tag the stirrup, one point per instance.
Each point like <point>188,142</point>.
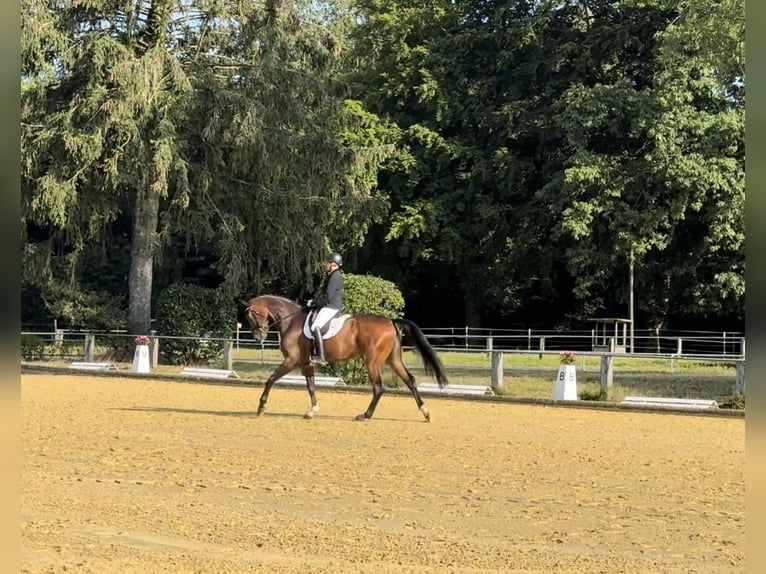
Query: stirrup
<point>318,360</point>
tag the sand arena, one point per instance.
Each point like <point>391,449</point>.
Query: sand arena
<point>131,475</point>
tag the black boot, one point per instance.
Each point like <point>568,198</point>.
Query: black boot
<point>318,358</point>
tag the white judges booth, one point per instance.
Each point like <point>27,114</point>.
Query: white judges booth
<point>608,328</point>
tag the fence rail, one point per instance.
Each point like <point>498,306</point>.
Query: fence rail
<point>118,346</point>
<point>686,343</point>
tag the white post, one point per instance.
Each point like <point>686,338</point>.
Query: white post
<point>566,384</point>
<point>227,355</point>
<point>631,288</point>
<point>90,347</point>
<point>739,386</point>
<point>497,370</point>
<point>154,351</point>
<point>607,374</point>
<point>141,363</point>
<point>607,369</point>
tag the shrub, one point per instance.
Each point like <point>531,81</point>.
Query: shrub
<point>593,392</point>
<point>195,312</point>
<point>735,401</point>
<point>32,347</point>
<point>366,294</point>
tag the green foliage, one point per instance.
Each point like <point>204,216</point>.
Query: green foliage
<point>369,294</point>
<point>526,151</point>
<point>83,309</point>
<point>193,311</point>
<point>591,392</point>
<point>735,401</point>
<point>546,148</point>
<point>219,124</point>
<point>32,347</point>
<point>366,294</point>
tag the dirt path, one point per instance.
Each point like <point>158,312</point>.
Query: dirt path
<point>137,476</point>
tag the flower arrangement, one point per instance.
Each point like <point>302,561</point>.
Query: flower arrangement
<point>567,357</point>
<point>142,340</point>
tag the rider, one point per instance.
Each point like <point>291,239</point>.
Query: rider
<point>328,303</point>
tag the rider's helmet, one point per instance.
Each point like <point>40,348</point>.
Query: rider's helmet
<point>334,258</point>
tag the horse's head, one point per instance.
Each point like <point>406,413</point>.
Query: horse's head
<point>257,316</point>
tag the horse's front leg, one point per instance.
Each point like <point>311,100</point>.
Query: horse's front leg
<point>286,366</point>
<point>308,372</point>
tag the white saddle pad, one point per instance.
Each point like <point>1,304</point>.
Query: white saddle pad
<point>336,324</point>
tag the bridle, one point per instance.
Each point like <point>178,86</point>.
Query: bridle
<point>264,329</point>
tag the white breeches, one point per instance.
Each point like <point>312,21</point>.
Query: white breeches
<point>323,317</point>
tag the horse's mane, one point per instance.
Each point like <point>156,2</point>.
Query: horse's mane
<point>278,298</point>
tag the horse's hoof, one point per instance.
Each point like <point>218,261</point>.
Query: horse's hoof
<point>427,416</point>
<point>362,417</point>
<point>309,415</point>
<point>259,413</point>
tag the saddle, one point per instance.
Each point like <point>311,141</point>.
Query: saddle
<point>331,328</point>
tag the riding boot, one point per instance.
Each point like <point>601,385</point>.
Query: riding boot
<point>318,358</point>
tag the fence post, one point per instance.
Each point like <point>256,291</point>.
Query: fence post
<point>90,347</point>
<point>497,370</point>
<point>489,345</point>
<point>679,352</point>
<point>607,369</point>
<point>154,351</point>
<point>607,374</point>
<point>529,339</point>
<point>542,347</point>
<point>739,385</point>
<point>227,355</point>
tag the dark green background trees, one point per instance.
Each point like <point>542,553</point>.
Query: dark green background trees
<point>500,162</point>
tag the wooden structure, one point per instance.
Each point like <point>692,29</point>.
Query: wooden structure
<point>608,328</point>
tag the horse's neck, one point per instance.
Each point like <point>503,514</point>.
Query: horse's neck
<point>284,313</point>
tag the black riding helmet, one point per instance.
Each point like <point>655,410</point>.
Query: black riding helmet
<point>334,258</point>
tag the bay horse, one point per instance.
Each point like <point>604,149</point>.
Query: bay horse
<point>373,338</point>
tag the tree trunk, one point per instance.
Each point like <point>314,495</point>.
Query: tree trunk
<point>145,220</point>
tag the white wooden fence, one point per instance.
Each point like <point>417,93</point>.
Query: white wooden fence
<point>86,351</point>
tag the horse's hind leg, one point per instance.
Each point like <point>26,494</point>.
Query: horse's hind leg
<point>404,374</point>
<point>373,369</point>
<point>377,391</point>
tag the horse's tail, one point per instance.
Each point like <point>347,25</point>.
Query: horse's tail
<point>431,361</point>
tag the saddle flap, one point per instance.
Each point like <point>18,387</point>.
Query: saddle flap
<point>330,329</point>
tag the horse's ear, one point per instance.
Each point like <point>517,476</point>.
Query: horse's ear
<point>244,304</point>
